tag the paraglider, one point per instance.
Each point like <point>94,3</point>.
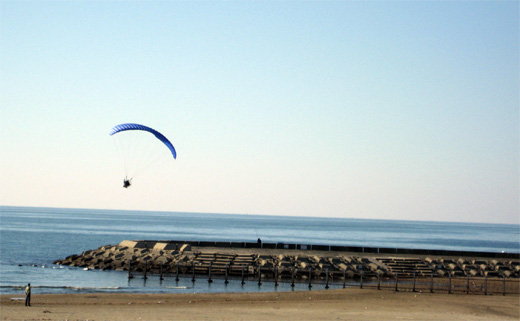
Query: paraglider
<point>138,154</point>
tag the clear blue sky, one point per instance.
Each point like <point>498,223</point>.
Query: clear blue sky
<point>393,110</point>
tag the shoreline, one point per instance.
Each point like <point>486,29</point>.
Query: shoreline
<point>344,304</point>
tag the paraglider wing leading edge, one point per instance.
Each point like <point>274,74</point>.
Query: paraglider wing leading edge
<point>159,136</point>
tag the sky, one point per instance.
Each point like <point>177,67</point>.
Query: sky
<point>376,110</point>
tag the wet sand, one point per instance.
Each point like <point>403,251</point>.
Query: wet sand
<point>343,304</point>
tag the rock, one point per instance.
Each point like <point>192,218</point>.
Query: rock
<point>185,247</point>
<point>108,261</point>
<point>132,244</point>
<point>372,267</point>
<point>165,246</point>
<point>346,259</point>
<point>163,260</point>
<point>314,259</point>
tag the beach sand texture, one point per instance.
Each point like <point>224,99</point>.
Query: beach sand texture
<point>343,304</point>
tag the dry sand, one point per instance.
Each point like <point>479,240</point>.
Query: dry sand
<point>343,304</point>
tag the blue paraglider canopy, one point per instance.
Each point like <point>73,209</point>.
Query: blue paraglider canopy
<point>131,126</point>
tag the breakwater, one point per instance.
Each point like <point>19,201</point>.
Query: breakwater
<point>353,249</point>
<point>280,261</point>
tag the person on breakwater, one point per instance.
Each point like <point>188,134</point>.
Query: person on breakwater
<point>28,295</point>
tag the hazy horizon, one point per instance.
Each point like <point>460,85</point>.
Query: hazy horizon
<point>246,214</point>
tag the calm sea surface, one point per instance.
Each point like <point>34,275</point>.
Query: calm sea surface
<point>31,238</point>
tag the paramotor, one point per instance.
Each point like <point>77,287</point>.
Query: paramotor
<point>137,154</point>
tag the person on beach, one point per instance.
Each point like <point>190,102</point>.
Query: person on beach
<point>28,295</point>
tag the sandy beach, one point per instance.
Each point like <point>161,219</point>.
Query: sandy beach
<point>343,304</point>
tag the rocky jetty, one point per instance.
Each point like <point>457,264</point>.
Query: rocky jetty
<point>136,254</point>
<point>170,257</point>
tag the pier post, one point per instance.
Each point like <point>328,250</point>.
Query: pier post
<point>396,281</point>
<point>449,281</point>
<point>361,280</point>
<point>259,275</point>
<point>413,289</point>
<point>193,272</point>
<point>431,284</point>
<point>504,293</point>
<point>130,276</point>
<point>276,276</point>
<point>161,272</point>
<point>378,280</point>
<point>177,272</point>
<point>327,279</point>
<point>344,278</point>
<point>145,269</point>
<point>227,268</point>
<point>209,272</point>
<point>467,285</point>
<point>485,284</point>
<point>292,276</point>
<point>243,282</point>
<point>310,277</point>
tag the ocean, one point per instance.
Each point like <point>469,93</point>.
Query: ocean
<point>31,238</point>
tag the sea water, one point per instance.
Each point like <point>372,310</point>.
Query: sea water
<point>31,238</point>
